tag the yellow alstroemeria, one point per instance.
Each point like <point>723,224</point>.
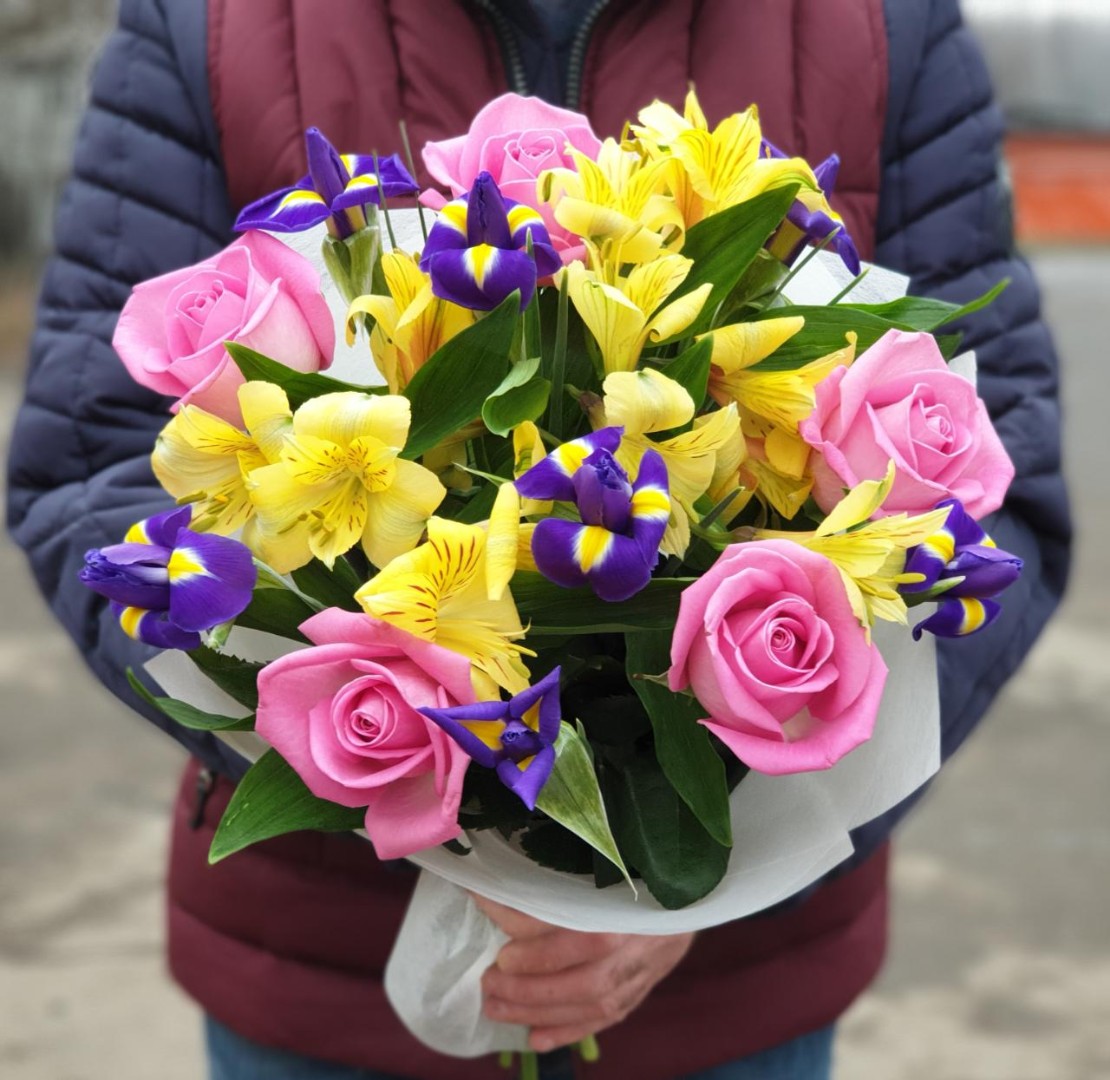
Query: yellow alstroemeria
<point>439,592</point>
<point>781,397</point>
<point>870,555</point>
<point>709,171</point>
<point>529,450</point>
<point>339,475</point>
<point>508,541</point>
<point>647,402</point>
<point>202,459</point>
<point>623,313</point>
<point>410,324</point>
<point>619,203</point>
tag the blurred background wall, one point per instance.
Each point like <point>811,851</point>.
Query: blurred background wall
<point>1000,961</point>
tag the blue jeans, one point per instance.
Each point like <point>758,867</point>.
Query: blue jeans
<point>231,1057</point>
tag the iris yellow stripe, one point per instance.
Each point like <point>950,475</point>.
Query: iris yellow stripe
<point>942,545</point>
<point>523,215</point>
<point>480,260</point>
<point>975,614</point>
<point>592,547</point>
<point>363,180</point>
<point>569,456</point>
<point>487,731</point>
<point>650,502</point>
<point>296,197</point>
<point>454,215</point>
<point>137,534</point>
<point>184,564</point>
<point>130,618</point>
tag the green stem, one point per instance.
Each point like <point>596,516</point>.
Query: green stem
<point>799,267</point>
<point>850,286</point>
<point>559,362</point>
<point>268,573</point>
<point>529,1066</point>
<point>589,1049</point>
<point>412,169</point>
<point>381,202</point>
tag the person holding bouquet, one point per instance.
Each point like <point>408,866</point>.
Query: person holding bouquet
<point>197,111</point>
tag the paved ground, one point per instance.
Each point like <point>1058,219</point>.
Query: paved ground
<point>1000,967</point>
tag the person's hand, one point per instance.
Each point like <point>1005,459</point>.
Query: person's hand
<point>566,985</point>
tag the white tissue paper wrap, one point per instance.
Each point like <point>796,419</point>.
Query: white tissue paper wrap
<point>787,830</point>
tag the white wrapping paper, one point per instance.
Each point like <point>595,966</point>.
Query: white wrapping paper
<point>787,832</point>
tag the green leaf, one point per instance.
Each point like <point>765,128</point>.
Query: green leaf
<point>923,313</point>
<point>691,370</point>
<point>550,845</point>
<point>299,386</point>
<point>187,715</point>
<point>678,860</point>
<point>521,396</point>
<point>825,331</point>
<point>723,247</point>
<point>450,389</point>
<point>477,507</point>
<point>682,745</point>
<point>236,677</point>
<point>333,588</point>
<point>271,800</point>
<point>572,797</point>
<point>276,611</point>
<point>548,608</point>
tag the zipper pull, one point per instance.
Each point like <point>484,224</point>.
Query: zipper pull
<point>206,781</point>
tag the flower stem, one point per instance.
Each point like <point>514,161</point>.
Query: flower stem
<point>559,362</point>
<point>407,146</point>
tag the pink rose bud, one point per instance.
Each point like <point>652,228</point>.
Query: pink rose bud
<point>257,292</point>
<point>514,139</point>
<point>899,401</point>
<point>768,643</point>
<point>344,714</point>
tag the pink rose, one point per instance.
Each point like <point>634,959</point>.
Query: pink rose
<point>514,139</point>
<point>257,291</point>
<point>899,401</point>
<point>769,645</point>
<point>343,714</point>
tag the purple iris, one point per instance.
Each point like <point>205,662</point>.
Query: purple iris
<point>516,737</point>
<point>167,583</point>
<point>336,190</point>
<point>960,551</point>
<point>615,545</point>
<point>477,251</point>
<point>816,225</point>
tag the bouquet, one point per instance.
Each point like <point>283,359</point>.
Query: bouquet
<point>588,587</point>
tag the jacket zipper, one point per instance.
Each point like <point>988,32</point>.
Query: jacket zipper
<point>514,63</point>
<point>577,60</point>
<point>206,781</point>
<point>510,47</point>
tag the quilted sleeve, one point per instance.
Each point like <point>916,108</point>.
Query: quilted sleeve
<point>945,219</point>
<point>146,195</point>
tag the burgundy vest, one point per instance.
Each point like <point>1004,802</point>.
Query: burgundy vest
<point>286,942</point>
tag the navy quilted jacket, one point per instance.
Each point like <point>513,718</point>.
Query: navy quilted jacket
<point>148,195</point>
